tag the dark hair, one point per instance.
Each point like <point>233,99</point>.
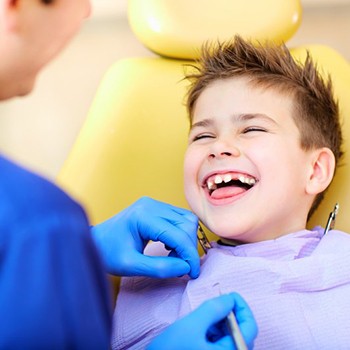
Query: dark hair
<point>272,66</point>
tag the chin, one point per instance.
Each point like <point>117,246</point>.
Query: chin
<point>223,230</point>
<point>25,88</point>
<point>15,94</point>
<point>24,93</point>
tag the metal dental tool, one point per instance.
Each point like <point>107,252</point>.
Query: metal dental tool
<point>331,219</point>
<point>231,321</point>
<point>203,240</point>
<point>232,326</point>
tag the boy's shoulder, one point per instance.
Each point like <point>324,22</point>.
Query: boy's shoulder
<point>335,241</point>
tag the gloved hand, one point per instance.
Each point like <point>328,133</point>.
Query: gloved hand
<point>121,240</point>
<point>197,330</point>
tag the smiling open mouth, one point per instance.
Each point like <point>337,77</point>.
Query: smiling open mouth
<point>229,184</point>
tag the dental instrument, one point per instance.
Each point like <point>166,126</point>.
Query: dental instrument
<point>232,326</point>
<point>231,321</point>
<point>331,219</point>
<point>203,240</point>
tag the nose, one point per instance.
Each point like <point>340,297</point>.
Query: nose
<point>221,149</point>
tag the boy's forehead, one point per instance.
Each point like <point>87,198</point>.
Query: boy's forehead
<point>242,86</point>
<point>241,100</point>
<point>250,83</point>
<point>235,119</point>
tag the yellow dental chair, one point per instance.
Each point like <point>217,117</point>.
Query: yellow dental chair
<point>135,135</point>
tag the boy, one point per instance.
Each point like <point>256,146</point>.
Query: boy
<point>264,142</point>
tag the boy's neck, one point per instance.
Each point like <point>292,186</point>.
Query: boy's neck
<point>230,242</point>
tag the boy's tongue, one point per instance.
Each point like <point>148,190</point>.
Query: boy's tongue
<point>226,192</point>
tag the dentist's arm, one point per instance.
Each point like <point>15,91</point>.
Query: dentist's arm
<point>122,239</point>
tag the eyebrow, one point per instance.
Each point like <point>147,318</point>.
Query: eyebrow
<point>250,116</point>
<point>236,118</point>
<point>203,123</point>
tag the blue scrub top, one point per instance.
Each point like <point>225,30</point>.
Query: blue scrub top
<point>54,293</point>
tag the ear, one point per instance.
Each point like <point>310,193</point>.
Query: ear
<point>321,170</point>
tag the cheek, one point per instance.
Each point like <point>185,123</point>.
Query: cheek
<point>280,169</point>
<point>269,158</point>
<point>191,168</point>
<point>188,171</point>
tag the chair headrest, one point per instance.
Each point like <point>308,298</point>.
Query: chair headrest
<point>178,28</point>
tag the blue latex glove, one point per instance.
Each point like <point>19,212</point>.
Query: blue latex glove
<point>122,239</point>
<point>197,330</point>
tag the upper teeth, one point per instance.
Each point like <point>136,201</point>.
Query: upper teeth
<point>227,178</point>
<point>247,180</point>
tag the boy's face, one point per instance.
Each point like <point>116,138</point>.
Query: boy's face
<point>245,172</point>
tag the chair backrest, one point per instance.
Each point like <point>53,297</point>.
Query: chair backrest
<point>134,138</point>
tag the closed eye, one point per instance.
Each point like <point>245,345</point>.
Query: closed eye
<point>254,129</point>
<point>201,137</point>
